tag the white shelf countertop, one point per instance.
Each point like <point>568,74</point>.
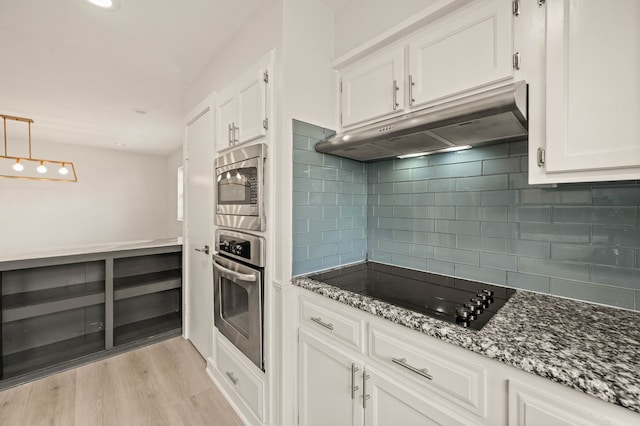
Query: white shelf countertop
<point>92,248</point>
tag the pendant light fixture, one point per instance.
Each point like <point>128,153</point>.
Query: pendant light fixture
<point>29,167</point>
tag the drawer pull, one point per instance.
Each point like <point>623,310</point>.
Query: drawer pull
<point>403,363</point>
<point>233,379</point>
<point>322,323</point>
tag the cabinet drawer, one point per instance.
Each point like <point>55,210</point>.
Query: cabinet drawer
<point>333,320</point>
<point>249,387</point>
<point>452,377</point>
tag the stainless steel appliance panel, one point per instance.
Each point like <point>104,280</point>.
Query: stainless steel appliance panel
<point>238,305</point>
<point>240,188</point>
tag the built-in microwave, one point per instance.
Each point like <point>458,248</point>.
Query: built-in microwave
<point>240,188</point>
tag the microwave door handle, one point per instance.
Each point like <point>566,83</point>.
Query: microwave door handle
<point>234,274</point>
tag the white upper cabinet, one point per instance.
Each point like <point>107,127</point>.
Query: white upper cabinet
<point>241,111</point>
<point>373,88</point>
<point>252,117</point>
<point>468,49</point>
<point>225,117</point>
<point>593,88</point>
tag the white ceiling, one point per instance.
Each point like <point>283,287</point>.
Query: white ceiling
<point>81,72</point>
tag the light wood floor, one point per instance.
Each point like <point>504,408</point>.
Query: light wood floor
<point>161,384</point>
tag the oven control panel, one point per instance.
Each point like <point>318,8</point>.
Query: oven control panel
<point>235,246</point>
<point>245,247</point>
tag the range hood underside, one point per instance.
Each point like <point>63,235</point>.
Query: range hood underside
<point>488,118</point>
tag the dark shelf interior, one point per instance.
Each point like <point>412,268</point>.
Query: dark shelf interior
<point>138,285</point>
<point>37,297</point>
<point>55,353</point>
<point>54,315</point>
<point>147,328</point>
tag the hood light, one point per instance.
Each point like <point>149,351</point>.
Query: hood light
<point>422,154</point>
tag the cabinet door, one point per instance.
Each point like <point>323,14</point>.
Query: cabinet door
<point>251,114</point>
<point>325,384</point>
<point>225,119</point>
<point>469,49</point>
<point>373,88</point>
<point>530,407</point>
<point>593,89</point>
<point>390,403</point>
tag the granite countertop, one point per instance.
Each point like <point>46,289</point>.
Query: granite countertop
<point>92,248</point>
<point>591,348</point>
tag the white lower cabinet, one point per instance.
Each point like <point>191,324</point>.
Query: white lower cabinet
<point>327,380</point>
<point>336,388</point>
<point>338,385</point>
<point>242,382</point>
<point>400,377</point>
<point>391,403</point>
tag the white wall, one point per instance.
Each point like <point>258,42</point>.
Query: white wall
<point>308,93</point>
<point>174,226</point>
<point>361,20</point>
<point>119,196</point>
<point>261,33</point>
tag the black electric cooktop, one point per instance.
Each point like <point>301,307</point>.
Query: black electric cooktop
<point>463,302</point>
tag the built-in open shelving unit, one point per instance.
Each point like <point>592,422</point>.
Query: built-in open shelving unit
<point>63,310</point>
<point>147,296</point>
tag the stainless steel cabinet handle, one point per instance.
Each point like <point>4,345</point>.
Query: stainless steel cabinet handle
<point>204,250</point>
<point>237,275</point>
<point>403,363</point>
<point>354,388</point>
<point>233,379</point>
<point>411,84</point>
<point>365,396</point>
<point>395,95</point>
<point>322,323</point>
<point>236,134</point>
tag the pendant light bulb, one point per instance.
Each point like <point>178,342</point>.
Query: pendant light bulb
<point>228,175</point>
<point>219,178</point>
<point>238,176</point>
<point>18,167</point>
<point>63,170</point>
<point>41,168</point>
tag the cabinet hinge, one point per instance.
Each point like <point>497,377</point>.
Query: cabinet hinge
<point>541,157</point>
<point>516,60</point>
<point>516,7</point>
<point>265,123</point>
<point>265,76</point>
<point>541,3</point>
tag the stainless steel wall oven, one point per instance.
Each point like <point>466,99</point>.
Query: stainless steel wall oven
<point>238,277</point>
<point>240,188</point>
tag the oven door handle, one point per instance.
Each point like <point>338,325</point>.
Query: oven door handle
<point>234,274</point>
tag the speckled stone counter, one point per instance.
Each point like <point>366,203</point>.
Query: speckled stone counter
<point>590,348</point>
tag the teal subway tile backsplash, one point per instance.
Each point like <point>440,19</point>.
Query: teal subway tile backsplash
<point>329,205</point>
<point>607,295</point>
<point>469,214</point>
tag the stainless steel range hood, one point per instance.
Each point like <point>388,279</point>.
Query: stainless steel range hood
<point>496,115</point>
